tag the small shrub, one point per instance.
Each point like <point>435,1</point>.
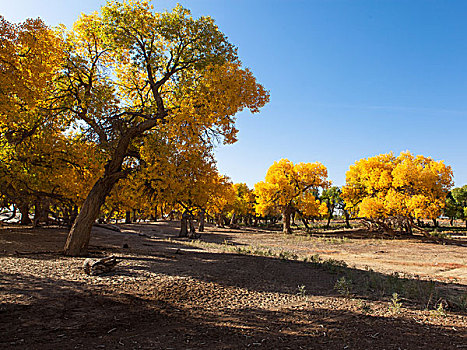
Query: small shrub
<point>286,255</point>
<point>301,290</point>
<point>343,286</point>
<point>396,304</point>
<point>334,266</point>
<point>440,310</point>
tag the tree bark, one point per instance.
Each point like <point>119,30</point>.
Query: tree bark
<point>183,226</point>
<point>305,223</point>
<point>220,221</point>
<point>286,221</point>
<point>233,220</point>
<point>329,220</point>
<point>202,214</point>
<point>192,227</point>
<point>347,219</point>
<point>24,210</point>
<point>40,212</point>
<point>80,233</point>
<point>127,217</point>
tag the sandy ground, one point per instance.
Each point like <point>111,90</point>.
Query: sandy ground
<point>171,293</point>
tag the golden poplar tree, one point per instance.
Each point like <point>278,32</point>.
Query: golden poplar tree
<point>392,191</point>
<point>290,188</point>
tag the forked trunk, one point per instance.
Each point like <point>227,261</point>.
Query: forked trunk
<point>80,233</point>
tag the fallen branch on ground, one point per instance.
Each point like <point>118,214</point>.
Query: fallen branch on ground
<point>97,267</point>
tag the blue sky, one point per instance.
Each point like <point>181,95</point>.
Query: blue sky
<point>348,78</point>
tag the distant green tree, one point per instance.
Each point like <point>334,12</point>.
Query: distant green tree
<point>459,201</point>
<point>452,209</point>
<point>332,198</point>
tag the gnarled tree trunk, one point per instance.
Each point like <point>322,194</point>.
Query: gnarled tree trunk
<point>80,233</point>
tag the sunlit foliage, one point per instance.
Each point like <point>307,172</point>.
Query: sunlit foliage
<point>290,188</point>
<point>393,191</point>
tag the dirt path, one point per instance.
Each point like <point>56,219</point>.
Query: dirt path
<point>168,293</point>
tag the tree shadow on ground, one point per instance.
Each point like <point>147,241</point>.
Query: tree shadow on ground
<point>60,314</point>
<point>283,275</point>
<point>178,257</point>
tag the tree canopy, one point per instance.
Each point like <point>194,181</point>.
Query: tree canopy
<point>392,191</point>
<point>117,77</point>
<point>290,188</point>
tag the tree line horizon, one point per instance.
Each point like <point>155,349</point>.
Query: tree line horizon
<point>121,113</point>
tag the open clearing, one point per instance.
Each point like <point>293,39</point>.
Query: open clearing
<point>232,289</point>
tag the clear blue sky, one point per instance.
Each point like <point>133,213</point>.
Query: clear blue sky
<point>348,78</point>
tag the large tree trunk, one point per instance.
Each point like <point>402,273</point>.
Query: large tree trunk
<point>192,227</point>
<point>233,220</point>
<point>286,221</point>
<point>202,215</point>
<point>305,222</point>
<point>220,221</point>
<point>24,210</point>
<point>183,225</point>
<point>329,220</point>
<point>80,233</point>
<point>128,217</point>
<point>40,212</point>
<point>347,219</point>
<point>155,213</point>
